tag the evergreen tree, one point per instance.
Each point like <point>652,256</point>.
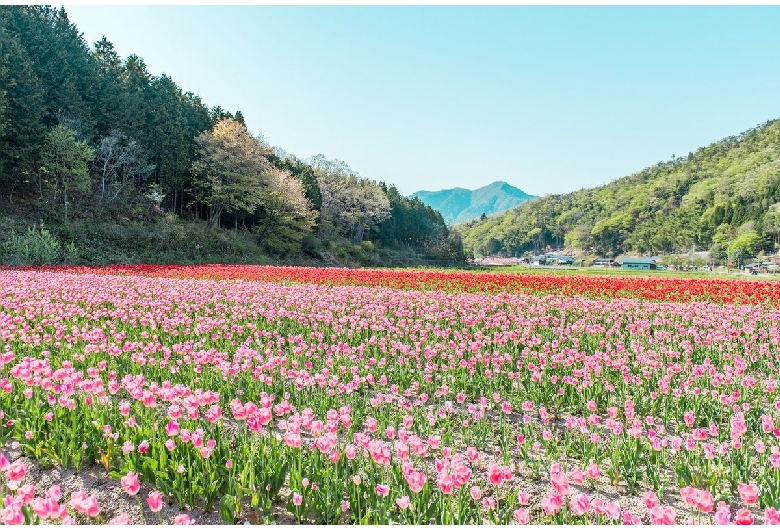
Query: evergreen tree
<point>65,164</point>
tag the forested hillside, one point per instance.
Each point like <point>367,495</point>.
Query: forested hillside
<point>722,198</point>
<point>100,161</point>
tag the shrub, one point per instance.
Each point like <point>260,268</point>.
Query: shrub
<point>37,246</point>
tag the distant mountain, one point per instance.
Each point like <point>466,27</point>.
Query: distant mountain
<point>459,205</point>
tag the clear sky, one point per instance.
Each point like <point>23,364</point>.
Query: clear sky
<point>549,98</point>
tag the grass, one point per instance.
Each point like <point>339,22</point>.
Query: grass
<point>598,271</point>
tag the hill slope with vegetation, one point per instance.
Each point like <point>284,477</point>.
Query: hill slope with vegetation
<point>102,162</point>
<point>723,198</point>
<point>459,205</point>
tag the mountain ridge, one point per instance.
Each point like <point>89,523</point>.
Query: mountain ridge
<point>458,205</point>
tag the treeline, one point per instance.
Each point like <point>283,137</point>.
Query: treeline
<point>723,198</point>
<point>86,135</point>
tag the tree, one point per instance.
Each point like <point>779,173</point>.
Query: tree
<point>136,88</point>
<point>745,245</point>
<point>286,215</point>
<point>721,240</point>
<point>772,223</point>
<point>108,114</point>
<point>120,162</point>
<point>22,128</point>
<point>350,205</point>
<point>230,173</point>
<point>302,171</point>
<point>65,163</point>
<point>578,236</point>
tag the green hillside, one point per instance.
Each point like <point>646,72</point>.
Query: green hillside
<point>722,198</point>
<point>458,205</point>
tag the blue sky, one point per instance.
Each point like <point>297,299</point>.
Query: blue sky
<point>548,98</point>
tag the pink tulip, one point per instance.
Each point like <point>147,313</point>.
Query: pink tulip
<point>661,515</point>
<point>16,471</point>
<point>631,519</point>
<point>475,493</point>
<point>579,504</point>
<point>650,498</point>
<point>130,483</point>
<point>577,476</point>
<point>155,501</point>
<point>495,474</point>
<point>523,497</point>
<point>743,517</point>
<point>748,493</point>
<point>560,483</point>
<point>183,519</point>
<point>12,515</point>
<point>522,515</point>
<point>593,471</point>
<point>120,520</point>
<point>722,516</point>
<point>26,492</point>
<point>704,501</point>
<point>771,516</point>
<point>54,492</point>
<point>552,503</point>
<point>42,507</point>
<point>403,502</point>
<point>612,509</point>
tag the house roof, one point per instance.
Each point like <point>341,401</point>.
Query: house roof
<point>639,261</point>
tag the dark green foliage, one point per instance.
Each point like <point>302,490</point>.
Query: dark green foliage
<point>411,224</point>
<point>137,133</point>
<point>705,200</point>
<point>64,165</point>
<point>35,246</point>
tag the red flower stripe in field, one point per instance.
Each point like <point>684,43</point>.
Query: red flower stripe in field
<point>666,289</point>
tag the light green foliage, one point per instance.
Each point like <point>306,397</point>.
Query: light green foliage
<point>351,205</point>
<point>670,207</point>
<point>285,215</point>
<point>231,170</point>
<point>746,244</point>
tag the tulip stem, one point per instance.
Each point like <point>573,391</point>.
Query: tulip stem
<point>141,508</point>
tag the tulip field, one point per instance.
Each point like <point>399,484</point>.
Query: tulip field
<point>268,394</point>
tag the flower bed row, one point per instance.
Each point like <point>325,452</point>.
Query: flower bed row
<point>721,291</point>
